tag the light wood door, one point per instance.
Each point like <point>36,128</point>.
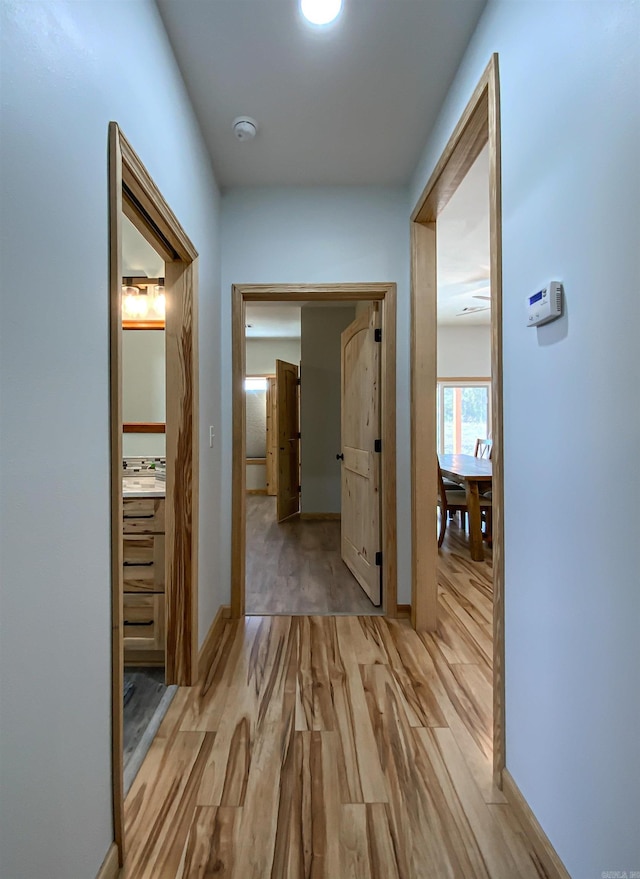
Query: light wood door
<point>361,539</point>
<point>287,418</point>
<point>272,438</point>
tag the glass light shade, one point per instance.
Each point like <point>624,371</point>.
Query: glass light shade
<point>134,303</point>
<point>158,301</point>
<point>320,11</point>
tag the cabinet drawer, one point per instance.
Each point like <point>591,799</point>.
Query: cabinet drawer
<point>143,559</point>
<point>143,515</point>
<point>143,625</point>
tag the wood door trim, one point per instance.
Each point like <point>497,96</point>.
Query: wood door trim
<point>133,192</point>
<point>479,125</point>
<point>380,292</point>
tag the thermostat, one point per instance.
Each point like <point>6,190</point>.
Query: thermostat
<point>545,305</point>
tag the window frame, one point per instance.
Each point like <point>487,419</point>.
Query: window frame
<point>460,382</point>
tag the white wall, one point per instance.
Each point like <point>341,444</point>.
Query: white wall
<point>261,354</point>
<point>143,390</point>
<point>569,75</point>
<point>320,392</point>
<point>464,351</point>
<point>322,235</point>
<point>67,69</point>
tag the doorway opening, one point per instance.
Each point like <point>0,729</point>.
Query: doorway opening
<point>312,409</point>
<point>478,130</point>
<point>154,526</point>
<point>300,481</point>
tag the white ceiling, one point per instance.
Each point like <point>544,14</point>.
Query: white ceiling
<point>349,104</point>
<point>463,250</point>
<point>273,321</point>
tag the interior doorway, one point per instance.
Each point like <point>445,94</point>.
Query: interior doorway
<point>314,536</point>
<point>154,534</point>
<point>477,129</point>
<point>303,516</point>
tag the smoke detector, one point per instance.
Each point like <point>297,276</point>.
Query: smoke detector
<point>245,128</point>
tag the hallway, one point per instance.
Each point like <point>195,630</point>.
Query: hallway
<point>296,567</point>
<point>334,747</point>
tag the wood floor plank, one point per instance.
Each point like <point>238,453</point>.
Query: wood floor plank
<point>477,829</point>
<point>332,747</point>
<point>154,798</point>
<point>212,844</point>
<point>383,857</point>
<point>209,697</point>
<point>354,849</point>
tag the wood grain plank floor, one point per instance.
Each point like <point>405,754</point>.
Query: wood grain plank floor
<point>334,747</point>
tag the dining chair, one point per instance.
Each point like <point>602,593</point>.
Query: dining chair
<point>484,448</point>
<point>455,501</point>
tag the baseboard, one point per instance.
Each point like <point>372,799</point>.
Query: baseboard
<point>404,611</point>
<point>210,643</point>
<point>320,517</point>
<point>110,868</point>
<point>256,491</point>
<point>554,867</point>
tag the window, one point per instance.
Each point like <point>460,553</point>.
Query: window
<point>464,414</point>
<point>256,415</point>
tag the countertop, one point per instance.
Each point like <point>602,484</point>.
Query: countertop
<point>143,486</point>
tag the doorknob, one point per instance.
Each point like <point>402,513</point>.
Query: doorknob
<point>339,457</point>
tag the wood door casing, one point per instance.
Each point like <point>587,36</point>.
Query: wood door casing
<point>288,449</point>
<point>360,406</point>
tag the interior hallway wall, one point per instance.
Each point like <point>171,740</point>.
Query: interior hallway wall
<point>569,75</point>
<point>320,398</point>
<point>322,235</point>
<point>68,68</point>
<point>261,354</point>
<point>464,352</point>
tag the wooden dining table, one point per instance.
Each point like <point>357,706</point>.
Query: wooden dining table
<point>474,474</point>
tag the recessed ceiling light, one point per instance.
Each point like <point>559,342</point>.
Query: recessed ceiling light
<point>320,11</point>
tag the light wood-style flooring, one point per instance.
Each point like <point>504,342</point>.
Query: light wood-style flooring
<point>295,567</point>
<point>341,747</point>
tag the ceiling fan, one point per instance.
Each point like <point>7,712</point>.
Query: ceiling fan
<point>474,309</point>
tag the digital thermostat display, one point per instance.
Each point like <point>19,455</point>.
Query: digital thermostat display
<point>545,305</point>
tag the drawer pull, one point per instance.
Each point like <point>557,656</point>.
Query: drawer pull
<point>139,516</point>
<point>127,623</point>
<point>137,564</point>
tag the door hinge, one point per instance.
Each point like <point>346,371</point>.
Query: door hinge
<point>377,336</point>
<point>298,381</point>
<point>299,435</point>
<point>379,559</point>
<point>377,446</point>
<point>299,489</point>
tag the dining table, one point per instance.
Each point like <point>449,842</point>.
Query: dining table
<point>475,475</point>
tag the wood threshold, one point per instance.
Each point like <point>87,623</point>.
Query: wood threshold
<point>479,125</point>
<point>379,292</point>
<point>321,517</point>
<point>554,867</point>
